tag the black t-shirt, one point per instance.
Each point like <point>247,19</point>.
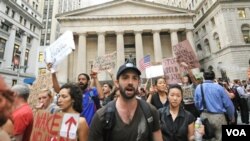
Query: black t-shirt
<point>137,130</point>
<point>157,102</point>
<point>175,130</point>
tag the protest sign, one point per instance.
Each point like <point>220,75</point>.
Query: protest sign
<point>184,53</point>
<point>59,49</point>
<point>154,71</point>
<point>171,70</point>
<point>47,127</point>
<point>42,82</point>
<point>106,62</point>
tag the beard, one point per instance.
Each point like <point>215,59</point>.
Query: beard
<point>123,92</point>
<point>3,119</point>
<point>83,86</point>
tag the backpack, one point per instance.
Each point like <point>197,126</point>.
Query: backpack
<point>109,118</point>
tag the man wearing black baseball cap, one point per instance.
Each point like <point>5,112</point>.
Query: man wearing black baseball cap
<point>129,121</point>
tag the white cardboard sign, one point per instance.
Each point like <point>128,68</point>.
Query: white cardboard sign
<point>154,71</point>
<point>69,126</point>
<point>60,49</point>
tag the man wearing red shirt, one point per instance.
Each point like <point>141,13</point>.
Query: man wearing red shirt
<point>22,115</point>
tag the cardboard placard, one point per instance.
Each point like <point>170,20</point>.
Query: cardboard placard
<point>42,82</point>
<point>47,127</point>
<point>171,70</point>
<point>106,62</point>
<point>59,49</point>
<point>154,71</point>
<point>185,53</point>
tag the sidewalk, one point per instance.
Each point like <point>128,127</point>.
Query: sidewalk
<point>239,119</point>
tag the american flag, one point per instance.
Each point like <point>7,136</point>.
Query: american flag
<point>144,63</point>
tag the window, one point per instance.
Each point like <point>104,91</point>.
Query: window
<point>242,12</point>
<point>199,47</point>
<point>34,28</point>
<point>213,22</point>
<point>217,40</point>
<point>30,25</point>
<point>16,56</point>
<point>7,10</point>
<point>5,27</point>
<point>207,46</point>
<point>204,29</point>
<point>24,22</point>
<point>21,19</point>
<point>197,34</point>
<point>26,58</point>
<point>18,34</point>
<point>13,14</point>
<point>40,57</point>
<point>2,47</point>
<point>28,39</point>
<point>245,29</point>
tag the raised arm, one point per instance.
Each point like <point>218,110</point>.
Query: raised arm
<point>56,85</point>
<point>190,73</point>
<point>95,82</point>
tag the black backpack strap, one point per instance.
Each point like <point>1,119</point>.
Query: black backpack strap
<point>109,120</point>
<point>147,113</point>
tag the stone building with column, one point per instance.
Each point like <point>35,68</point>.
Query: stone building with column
<point>136,28</point>
<point>222,36</point>
<point>20,27</point>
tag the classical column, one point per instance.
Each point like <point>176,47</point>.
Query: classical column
<point>33,55</point>
<point>138,46</point>
<point>9,48</point>
<point>120,48</point>
<point>157,45</point>
<point>190,38</point>
<point>23,50</point>
<point>81,54</point>
<point>174,39</point>
<point>101,44</point>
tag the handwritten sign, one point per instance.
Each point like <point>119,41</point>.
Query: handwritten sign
<point>60,49</point>
<point>46,126</point>
<point>171,70</point>
<point>188,95</point>
<point>69,126</point>
<point>154,71</point>
<point>185,53</point>
<point>106,62</point>
<point>42,82</point>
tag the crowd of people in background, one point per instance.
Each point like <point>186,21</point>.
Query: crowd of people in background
<point>124,109</point>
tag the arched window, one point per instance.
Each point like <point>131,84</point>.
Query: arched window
<point>207,46</point>
<point>199,47</point>
<point>217,40</point>
<point>245,28</point>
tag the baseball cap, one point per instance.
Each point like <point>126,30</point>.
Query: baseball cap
<point>127,66</point>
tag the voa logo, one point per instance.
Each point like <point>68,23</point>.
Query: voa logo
<point>236,132</point>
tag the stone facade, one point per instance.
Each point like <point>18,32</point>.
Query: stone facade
<point>129,27</point>
<point>219,37</point>
<point>20,24</point>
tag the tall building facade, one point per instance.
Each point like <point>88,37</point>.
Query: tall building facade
<point>20,22</point>
<point>222,36</point>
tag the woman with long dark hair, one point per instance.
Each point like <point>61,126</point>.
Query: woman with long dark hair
<point>70,101</point>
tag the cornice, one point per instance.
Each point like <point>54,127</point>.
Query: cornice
<point>124,17</point>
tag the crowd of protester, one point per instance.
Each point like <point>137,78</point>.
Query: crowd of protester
<point>124,109</point>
